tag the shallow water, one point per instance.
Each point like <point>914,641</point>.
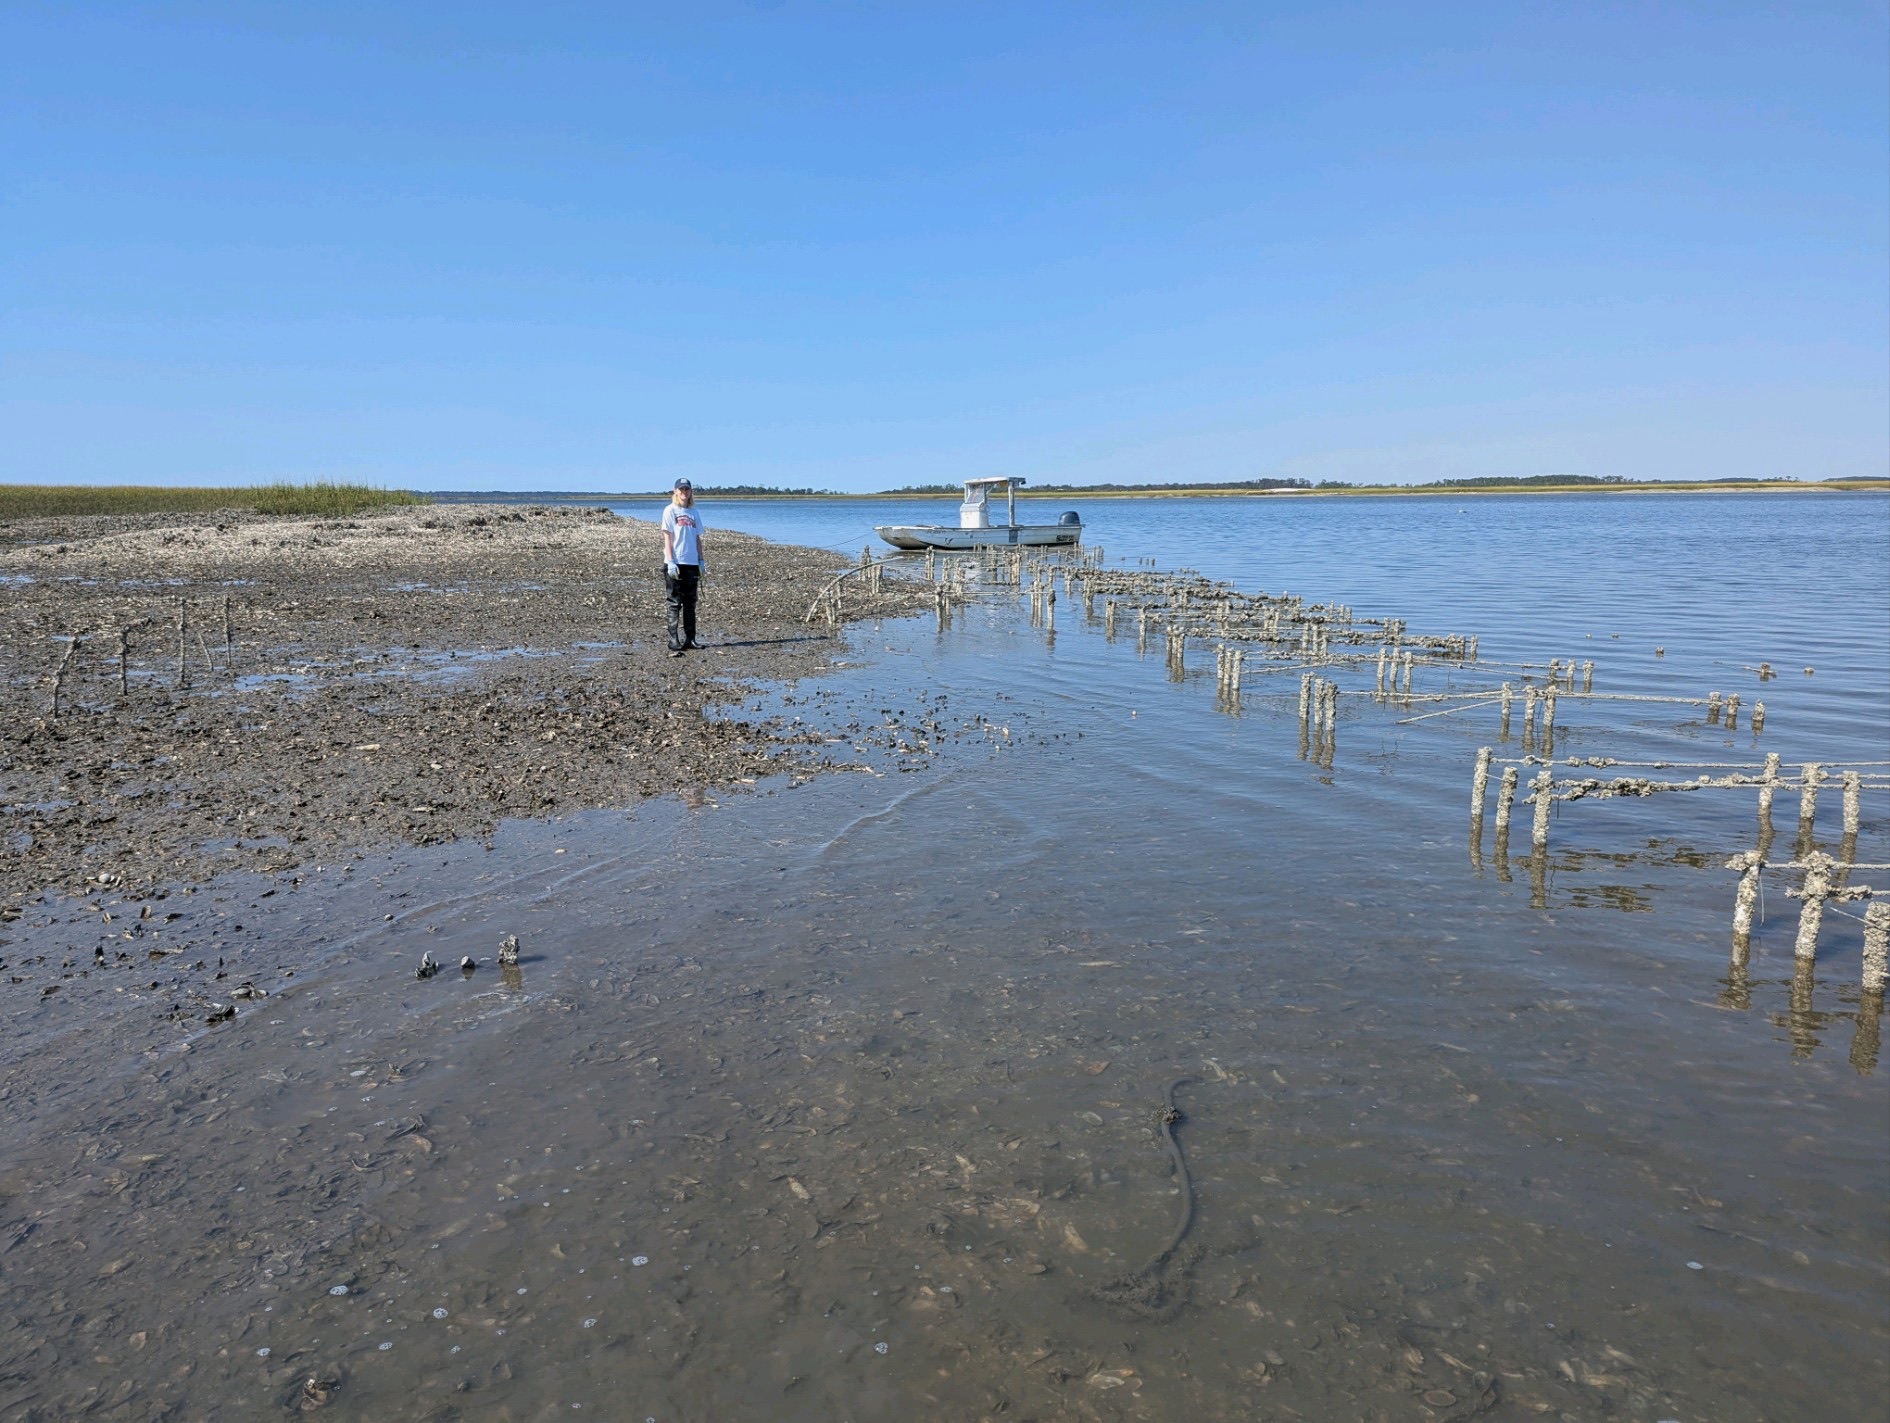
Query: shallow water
<point>877,1060</point>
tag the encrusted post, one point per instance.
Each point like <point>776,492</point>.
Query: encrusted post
<point>1767,786</point>
<point>1479,785</point>
<point>1758,717</point>
<point>1876,946</point>
<point>1732,712</point>
<point>1814,890</point>
<point>1539,832</point>
<point>1712,708</point>
<point>1750,865</point>
<point>1588,676</point>
<point>1808,796</point>
<point>1548,719</point>
<point>1853,802</point>
<point>1505,795</point>
<point>1509,696</point>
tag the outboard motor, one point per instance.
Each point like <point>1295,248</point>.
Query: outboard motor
<point>1072,517</point>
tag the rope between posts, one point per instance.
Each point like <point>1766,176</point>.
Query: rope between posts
<point>1830,908</point>
<point>1604,761</point>
<point>1801,865</point>
<point>1447,711</point>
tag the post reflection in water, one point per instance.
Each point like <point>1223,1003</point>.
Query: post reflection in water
<point>1864,1042</point>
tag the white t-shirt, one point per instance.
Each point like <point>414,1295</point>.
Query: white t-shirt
<point>684,527</point>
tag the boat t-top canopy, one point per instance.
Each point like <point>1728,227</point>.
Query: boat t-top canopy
<point>973,514</point>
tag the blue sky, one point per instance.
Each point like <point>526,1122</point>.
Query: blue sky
<point>857,247</point>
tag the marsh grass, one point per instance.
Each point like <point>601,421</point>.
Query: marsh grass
<point>29,501</point>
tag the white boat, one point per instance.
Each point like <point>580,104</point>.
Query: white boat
<point>975,529</point>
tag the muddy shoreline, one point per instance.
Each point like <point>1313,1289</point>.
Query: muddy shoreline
<point>345,685</point>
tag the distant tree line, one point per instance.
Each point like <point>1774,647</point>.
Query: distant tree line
<point>738,491</point>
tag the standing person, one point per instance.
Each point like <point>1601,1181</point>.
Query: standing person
<point>682,565</point>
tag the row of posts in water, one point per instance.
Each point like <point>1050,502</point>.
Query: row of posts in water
<point>1767,777</point>
<point>1823,876</point>
<point>1177,607</point>
<point>1291,634</point>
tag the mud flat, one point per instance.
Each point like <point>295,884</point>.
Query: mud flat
<point>412,676</point>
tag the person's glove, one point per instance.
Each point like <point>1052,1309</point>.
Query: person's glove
<point>670,569</point>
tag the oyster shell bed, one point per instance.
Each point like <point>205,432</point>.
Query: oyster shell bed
<point>409,676</point>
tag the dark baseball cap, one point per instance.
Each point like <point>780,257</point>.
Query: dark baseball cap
<point>682,484</point>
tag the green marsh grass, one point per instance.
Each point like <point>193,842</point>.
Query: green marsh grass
<point>31,501</point>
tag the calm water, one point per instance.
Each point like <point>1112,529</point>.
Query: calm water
<point>839,1100</point>
<point>1670,594</point>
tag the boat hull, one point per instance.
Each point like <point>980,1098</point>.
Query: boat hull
<point>943,536</point>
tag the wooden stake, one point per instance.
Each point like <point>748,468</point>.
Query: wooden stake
<point>1750,865</point>
<point>1876,946</point>
<point>1505,795</point>
<point>1479,787</point>
<point>1816,887</point>
<point>1539,832</point>
<point>1765,791</point>
<point>1853,802</point>
<point>59,676</point>
<point>1808,795</point>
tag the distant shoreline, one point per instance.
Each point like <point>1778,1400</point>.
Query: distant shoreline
<point>1198,492</point>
